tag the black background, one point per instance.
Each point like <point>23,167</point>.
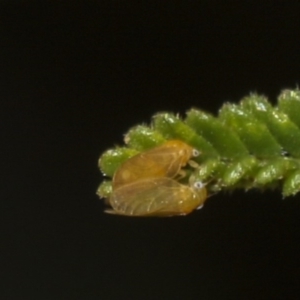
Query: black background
<point>74,77</point>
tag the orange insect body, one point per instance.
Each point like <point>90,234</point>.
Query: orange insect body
<point>162,161</point>
<point>157,197</point>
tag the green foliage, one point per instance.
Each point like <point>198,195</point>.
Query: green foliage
<point>248,145</point>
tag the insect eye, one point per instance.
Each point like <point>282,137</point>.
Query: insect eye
<point>198,185</point>
<point>196,152</point>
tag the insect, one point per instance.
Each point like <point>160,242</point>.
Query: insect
<point>157,197</point>
<point>165,160</point>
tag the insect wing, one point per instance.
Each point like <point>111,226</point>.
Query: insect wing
<point>162,161</point>
<point>172,156</point>
<point>160,196</point>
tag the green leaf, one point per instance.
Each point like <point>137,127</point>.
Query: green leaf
<point>252,144</point>
<point>223,139</point>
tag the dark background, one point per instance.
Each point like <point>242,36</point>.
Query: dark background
<point>74,77</point>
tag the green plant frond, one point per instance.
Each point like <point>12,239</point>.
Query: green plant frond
<point>254,134</point>
<point>222,138</point>
<point>142,138</point>
<point>252,144</point>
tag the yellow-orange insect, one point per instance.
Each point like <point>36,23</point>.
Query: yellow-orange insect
<point>157,197</point>
<point>165,160</point>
